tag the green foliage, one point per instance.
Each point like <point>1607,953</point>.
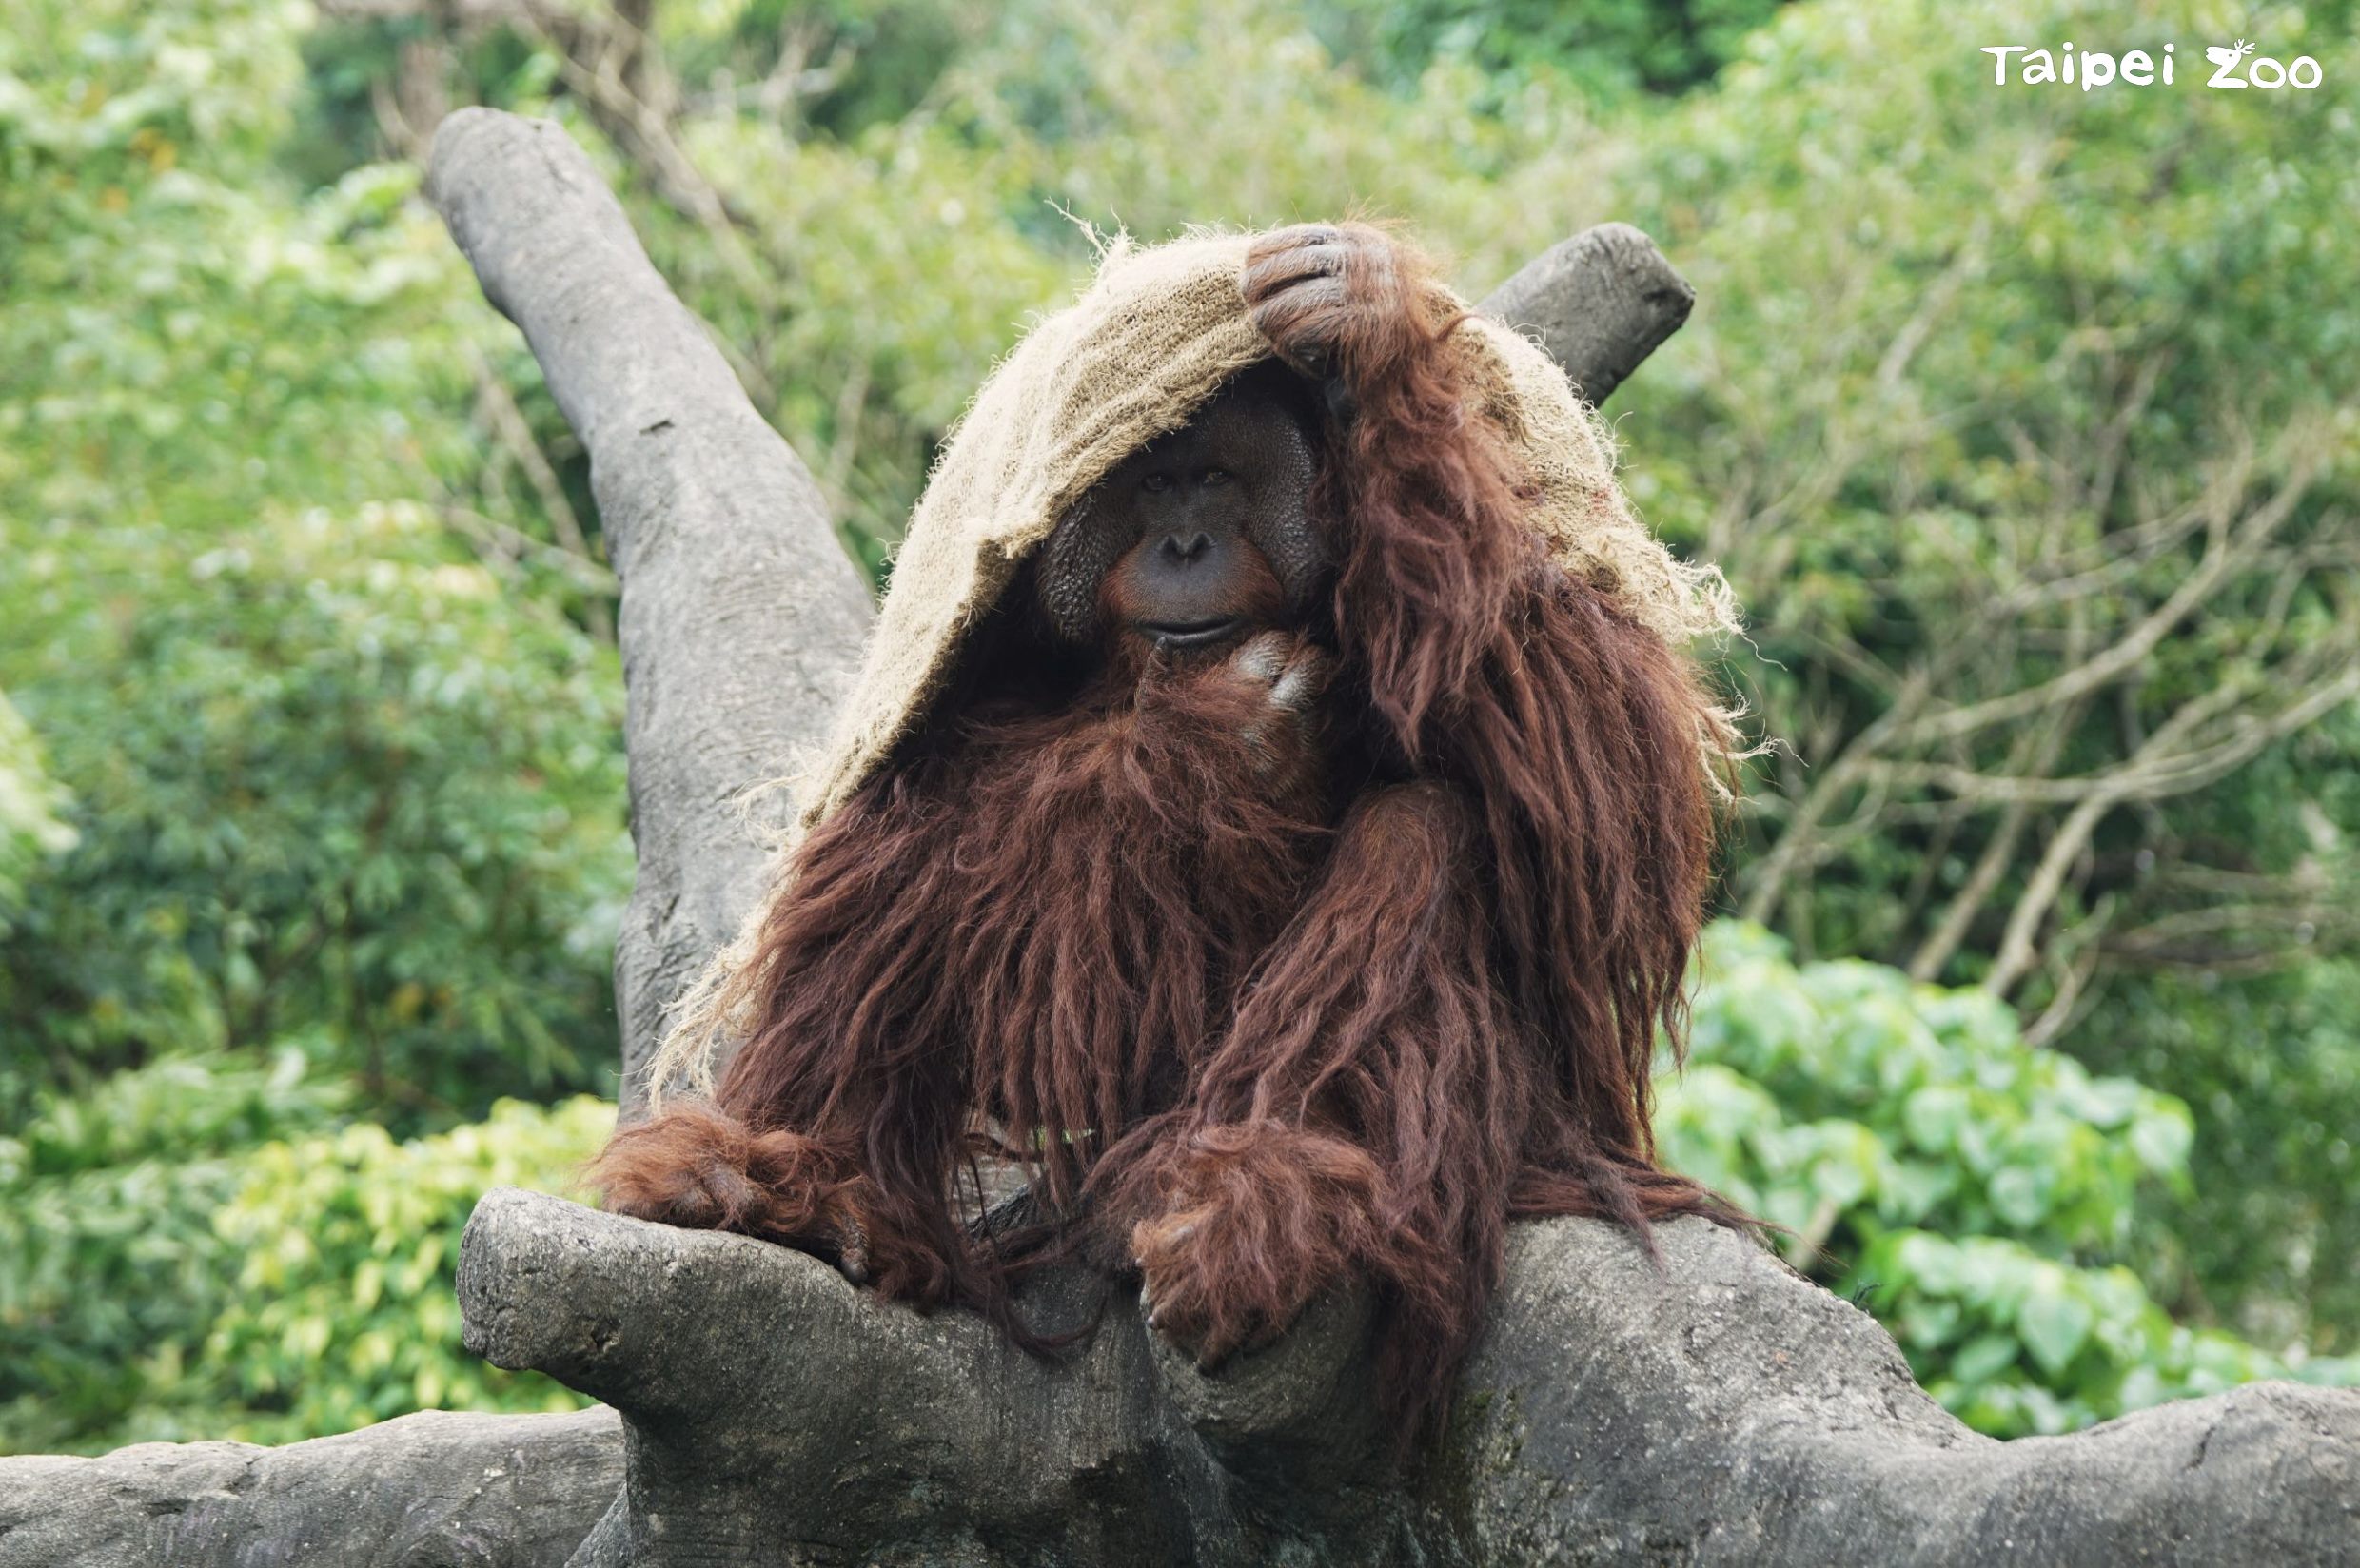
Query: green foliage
<point>1959,344</point>
<point>1978,1194</point>
<point>29,803</point>
<point>2270,1242</point>
<point>170,1110</point>
<point>110,1269</point>
<point>1607,47</point>
<point>350,1248</point>
<point>198,1250</point>
<point>1850,1091</point>
<point>332,735</point>
<point>337,775</point>
<point>2015,1343</point>
<point>332,786</point>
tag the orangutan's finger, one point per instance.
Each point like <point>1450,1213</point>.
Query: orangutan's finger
<point>1288,269</point>
<point>1303,679</point>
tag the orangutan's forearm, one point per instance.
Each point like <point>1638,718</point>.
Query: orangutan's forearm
<point>1359,1121</point>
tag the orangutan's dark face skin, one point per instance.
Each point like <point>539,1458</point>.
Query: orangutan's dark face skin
<point>1200,541</point>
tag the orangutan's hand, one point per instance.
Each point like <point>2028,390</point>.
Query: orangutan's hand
<point>1311,288</point>
<point>1193,1296</point>
<point>695,1166</point>
<point>1286,671</point>
<point>1261,1218</point>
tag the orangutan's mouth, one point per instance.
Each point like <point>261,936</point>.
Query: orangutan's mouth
<point>1190,633</point>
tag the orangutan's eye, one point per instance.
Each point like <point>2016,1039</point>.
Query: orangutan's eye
<point>1216,476</point>
<point>1156,482</point>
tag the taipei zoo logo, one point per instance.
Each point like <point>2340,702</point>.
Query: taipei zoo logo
<point>2234,66</point>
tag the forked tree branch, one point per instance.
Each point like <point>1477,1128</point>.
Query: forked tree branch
<point>742,616</point>
<point>1714,1407</point>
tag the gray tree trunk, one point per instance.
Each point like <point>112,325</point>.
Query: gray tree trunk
<point>1711,1407</point>
<point>742,618</point>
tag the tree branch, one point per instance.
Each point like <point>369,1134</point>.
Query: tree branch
<point>1712,1408</point>
<point>742,615</point>
<point>1600,303</point>
<point>485,1491</point>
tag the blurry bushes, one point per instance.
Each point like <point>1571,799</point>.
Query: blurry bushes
<point>2024,425</point>
<point>163,1277</point>
<point>1606,46</point>
<point>2015,1342</point>
<point>343,1310</point>
<point>110,1269</point>
<point>29,803</point>
<point>1841,1088</point>
<point>1980,1196</point>
<point>331,786</point>
<point>343,755</point>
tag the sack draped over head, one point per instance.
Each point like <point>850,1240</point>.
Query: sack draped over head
<point>1156,335</point>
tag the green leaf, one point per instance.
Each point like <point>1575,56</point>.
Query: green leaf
<point>1933,1116</point>
<point>2054,1326</point>
<point>1983,1358</point>
<point>2160,1137</point>
<point>2021,1195</point>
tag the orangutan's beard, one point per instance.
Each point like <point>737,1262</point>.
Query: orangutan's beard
<point>1114,872</point>
<point>1024,936</point>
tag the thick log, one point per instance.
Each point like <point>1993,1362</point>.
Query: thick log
<point>435,1488</point>
<point>1714,1408</point>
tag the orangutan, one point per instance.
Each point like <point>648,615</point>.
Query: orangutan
<point>1295,875</point>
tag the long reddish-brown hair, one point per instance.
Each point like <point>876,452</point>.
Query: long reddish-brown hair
<point>1579,738</point>
<point>1382,1007</point>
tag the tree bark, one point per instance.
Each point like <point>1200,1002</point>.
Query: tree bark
<point>1600,303</point>
<point>742,618</point>
<point>435,1488</point>
<point>1709,1408</point>
<point>1714,1408</point>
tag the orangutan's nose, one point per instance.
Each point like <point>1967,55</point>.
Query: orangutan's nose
<point>1185,547</point>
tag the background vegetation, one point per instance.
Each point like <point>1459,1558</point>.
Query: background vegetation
<point>2024,422</point>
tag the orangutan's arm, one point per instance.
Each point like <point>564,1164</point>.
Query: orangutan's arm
<point>694,1165</point>
<point>1363,1116</point>
<point>834,1126</point>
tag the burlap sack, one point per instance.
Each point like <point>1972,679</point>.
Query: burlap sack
<point>1153,336</point>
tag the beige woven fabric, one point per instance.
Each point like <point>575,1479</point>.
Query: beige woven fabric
<point>1147,344</point>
